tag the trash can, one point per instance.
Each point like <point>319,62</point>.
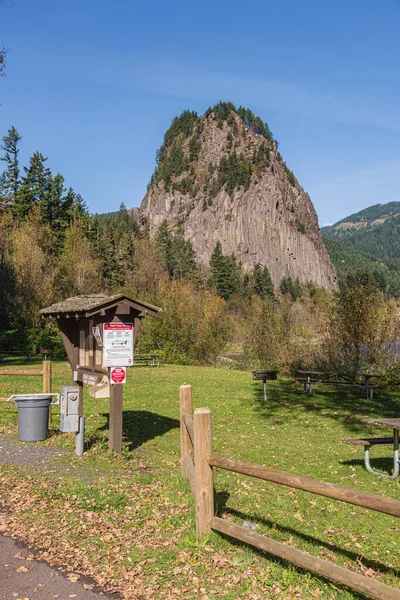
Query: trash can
<point>33,416</point>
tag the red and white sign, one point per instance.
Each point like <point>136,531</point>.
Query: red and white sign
<point>117,344</point>
<point>118,375</point>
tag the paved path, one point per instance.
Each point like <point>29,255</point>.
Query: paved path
<point>24,578</point>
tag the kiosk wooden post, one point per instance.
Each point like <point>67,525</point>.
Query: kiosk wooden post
<point>81,322</point>
<point>116,403</point>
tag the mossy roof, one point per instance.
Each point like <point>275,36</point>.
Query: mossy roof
<point>94,302</point>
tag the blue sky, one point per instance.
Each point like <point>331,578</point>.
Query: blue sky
<point>94,84</point>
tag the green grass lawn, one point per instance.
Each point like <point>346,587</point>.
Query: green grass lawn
<point>128,521</point>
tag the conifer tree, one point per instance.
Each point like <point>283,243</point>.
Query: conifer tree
<point>263,285</point>
<point>52,207</point>
<point>183,257</point>
<point>177,254</point>
<point>226,275</point>
<point>10,178</point>
<point>288,286</point>
<point>36,186</point>
<point>8,288</point>
<point>163,241</point>
<point>74,208</point>
<point>108,246</point>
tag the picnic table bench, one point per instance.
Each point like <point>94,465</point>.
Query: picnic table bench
<point>368,442</point>
<point>362,381</point>
<point>149,359</point>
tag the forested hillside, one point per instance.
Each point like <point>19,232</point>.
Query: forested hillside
<point>385,273</point>
<point>368,240</point>
<point>374,230</point>
<point>52,248</point>
<point>381,240</point>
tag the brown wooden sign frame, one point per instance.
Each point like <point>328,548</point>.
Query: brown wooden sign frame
<point>76,317</point>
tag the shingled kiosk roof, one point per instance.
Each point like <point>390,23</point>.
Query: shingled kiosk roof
<point>88,305</point>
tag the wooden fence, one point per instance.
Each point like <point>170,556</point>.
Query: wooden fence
<point>45,373</point>
<point>198,460</point>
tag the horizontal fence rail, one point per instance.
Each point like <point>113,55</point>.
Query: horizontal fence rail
<point>198,461</point>
<point>45,373</point>
<point>22,373</point>
<point>358,582</point>
<point>189,427</point>
<point>307,484</point>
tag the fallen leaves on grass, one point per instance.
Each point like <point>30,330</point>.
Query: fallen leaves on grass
<point>98,543</point>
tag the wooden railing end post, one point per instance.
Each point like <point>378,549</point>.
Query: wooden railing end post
<point>204,483</point>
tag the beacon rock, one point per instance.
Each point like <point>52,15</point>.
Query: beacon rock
<point>222,178</point>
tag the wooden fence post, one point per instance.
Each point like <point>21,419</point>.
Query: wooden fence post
<point>185,396</point>
<point>203,472</point>
<point>46,370</point>
<point>47,376</point>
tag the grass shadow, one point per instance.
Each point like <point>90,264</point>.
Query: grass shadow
<point>343,404</point>
<point>331,546</point>
<point>220,502</point>
<point>140,426</point>
<point>20,361</point>
<point>383,464</point>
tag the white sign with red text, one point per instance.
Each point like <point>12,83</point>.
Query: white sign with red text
<point>117,375</point>
<point>117,344</point>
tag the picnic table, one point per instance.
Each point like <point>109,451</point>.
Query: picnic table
<point>359,380</point>
<point>149,359</point>
<point>368,442</point>
<point>4,354</point>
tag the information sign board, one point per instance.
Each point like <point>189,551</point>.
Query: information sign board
<point>117,344</point>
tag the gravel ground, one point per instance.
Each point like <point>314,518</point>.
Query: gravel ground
<point>19,453</point>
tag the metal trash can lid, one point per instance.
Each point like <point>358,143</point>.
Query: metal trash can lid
<point>31,396</point>
<point>32,400</point>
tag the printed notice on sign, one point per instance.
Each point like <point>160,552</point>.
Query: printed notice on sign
<point>117,344</point>
<point>118,375</point>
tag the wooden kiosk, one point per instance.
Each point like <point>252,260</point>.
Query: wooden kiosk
<point>83,321</point>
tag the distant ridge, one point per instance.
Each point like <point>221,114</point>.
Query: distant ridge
<point>374,230</point>
<point>369,241</point>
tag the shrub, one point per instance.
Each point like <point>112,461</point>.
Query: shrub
<point>192,327</point>
<point>45,336</point>
<point>300,226</point>
<point>362,327</point>
<point>268,337</point>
